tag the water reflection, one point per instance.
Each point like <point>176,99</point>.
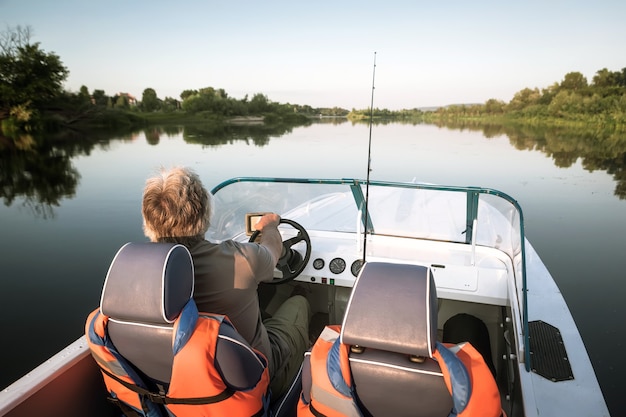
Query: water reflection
<point>40,175</point>
<point>598,150</point>
<point>38,171</point>
<point>214,134</point>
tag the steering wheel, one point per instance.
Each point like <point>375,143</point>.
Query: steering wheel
<point>291,264</point>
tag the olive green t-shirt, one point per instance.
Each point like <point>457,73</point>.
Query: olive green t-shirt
<point>227,275</point>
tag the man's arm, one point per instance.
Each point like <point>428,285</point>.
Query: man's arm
<point>270,236</point>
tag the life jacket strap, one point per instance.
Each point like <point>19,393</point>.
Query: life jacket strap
<point>158,398</point>
<point>315,412</point>
<point>127,410</point>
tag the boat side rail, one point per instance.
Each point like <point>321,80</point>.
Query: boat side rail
<point>69,384</point>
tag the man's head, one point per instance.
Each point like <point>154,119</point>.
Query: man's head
<point>175,204</point>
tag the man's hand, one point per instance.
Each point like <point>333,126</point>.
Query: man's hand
<point>270,236</point>
<point>268,221</point>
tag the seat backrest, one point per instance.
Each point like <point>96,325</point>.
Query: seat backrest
<point>390,325</point>
<point>146,288</point>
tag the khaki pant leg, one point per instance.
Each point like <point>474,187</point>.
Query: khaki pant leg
<point>288,331</point>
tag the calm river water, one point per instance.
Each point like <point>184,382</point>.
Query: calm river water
<point>66,212</point>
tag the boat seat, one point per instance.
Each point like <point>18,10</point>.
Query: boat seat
<point>146,288</point>
<point>390,329</point>
<point>390,325</point>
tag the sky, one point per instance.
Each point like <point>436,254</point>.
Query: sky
<point>427,53</point>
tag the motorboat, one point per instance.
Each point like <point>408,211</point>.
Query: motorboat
<point>470,239</point>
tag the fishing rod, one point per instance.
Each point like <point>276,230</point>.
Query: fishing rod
<point>369,163</point>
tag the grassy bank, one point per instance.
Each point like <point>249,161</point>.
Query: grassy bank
<point>601,122</point>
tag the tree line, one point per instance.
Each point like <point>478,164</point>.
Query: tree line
<point>573,100</point>
<point>32,96</point>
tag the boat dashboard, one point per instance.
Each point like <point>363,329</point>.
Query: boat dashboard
<point>460,272</point>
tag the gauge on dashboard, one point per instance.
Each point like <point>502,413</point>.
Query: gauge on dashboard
<point>337,266</point>
<point>318,263</point>
<point>356,267</point>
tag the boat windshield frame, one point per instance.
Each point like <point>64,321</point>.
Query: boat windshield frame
<point>474,216</point>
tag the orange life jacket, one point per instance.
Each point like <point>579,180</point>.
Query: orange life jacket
<point>462,367</point>
<point>196,387</point>
<point>331,388</point>
<point>483,397</point>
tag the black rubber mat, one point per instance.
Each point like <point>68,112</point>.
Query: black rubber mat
<point>548,356</point>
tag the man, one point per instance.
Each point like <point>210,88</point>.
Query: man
<point>177,208</point>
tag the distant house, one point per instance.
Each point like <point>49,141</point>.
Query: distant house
<point>130,99</point>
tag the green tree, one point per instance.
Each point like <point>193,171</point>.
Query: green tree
<point>548,93</point>
<point>524,98</point>
<point>84,95</point>
<point>594,104</point>
<point>566,103</point>
<point>170,104</point>
<point>28,74</point>
<point>188,93</point>
<point>195,103</point>
<point>259,104</point>
<point>221,93</point>
<point>574,81</point>
<point>100,98</point>
<point>149,100</point>
<point>209,91</point>
<point>605,78</point>
<point>621,78</point>
<point>493,106</point>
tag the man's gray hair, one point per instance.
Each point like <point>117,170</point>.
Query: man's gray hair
<point>175,204</point>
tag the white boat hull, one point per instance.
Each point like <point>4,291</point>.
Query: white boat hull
<point>471,241</point>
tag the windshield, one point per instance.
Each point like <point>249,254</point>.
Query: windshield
<point>422,211</point>
<point>464,215</point>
